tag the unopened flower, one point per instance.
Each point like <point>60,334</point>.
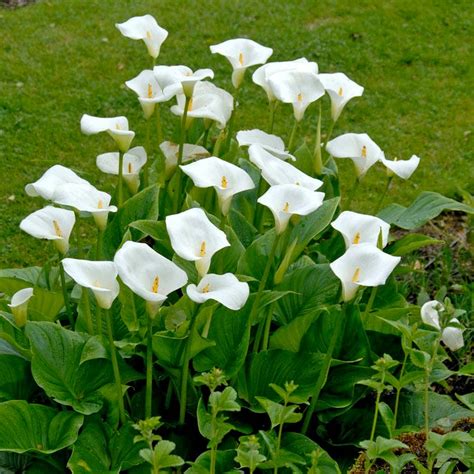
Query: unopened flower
<point>271,143</point>
<point>19,306</point>
<point>190,152</point>
<point>402,168</point>
<point>180,79</point>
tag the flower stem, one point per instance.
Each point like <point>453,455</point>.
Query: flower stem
<point>230,125</point>
<point>159,129</point>
<point>98,248</point>
<point>113,354</point>
<point>277,451</point>
<point>98,318</point>
<point>272,105</point>
<point>328,137</point>
<point>87,310</point>
<point>399,389</point>
<point>266,331</point>
<point>292,137</point>
<point>120,180</point>
<point>180,154</point>
<point>370,303</point>
<point>149,369</point>
<point>376,414</point>
<point>146,178</point>
<point>67,303</point>
<point>318,162</point>
<point>382,197</point>
<point>352,192</point>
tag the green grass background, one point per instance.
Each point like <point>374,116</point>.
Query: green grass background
<point>60,59</point>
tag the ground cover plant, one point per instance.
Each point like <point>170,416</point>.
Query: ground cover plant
<point>232,313</point>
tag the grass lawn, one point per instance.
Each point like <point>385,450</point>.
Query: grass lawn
<point>60,59</point>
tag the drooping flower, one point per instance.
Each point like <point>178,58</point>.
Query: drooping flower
<point>226,289</point>
<point>147,29</point>
<point>148,274</point>
<point>51,179</point>
<point>242,53</point>
<point>285,200</point>
<point>133,161</point>
<point>298,88</point>
<point>50,223</point>
<point>19,306</point>
<point>361,228</point>
<point>271,143</point>
<point>116,127</point>
<point>180,79</point>
<point>341,90</point>
<point>358,147</point>
<point>402,168</point>
<point>86,199</point>
<point>190,152</point>
<point>276,171</point>
<point>194,237</point>
<point>99,276</point>
<point>227,179</point>
<point>362,265</point>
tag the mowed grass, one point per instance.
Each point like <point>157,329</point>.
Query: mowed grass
<point>60,59</point>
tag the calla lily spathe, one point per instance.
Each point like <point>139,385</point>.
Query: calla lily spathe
<point>285,200</point>
<point>361,228</point>
<point>402,168</point>
<point>450,335</point>
<point>51,179</point>
<point>99,276</point>
<point>262,75</point>
<point>147,29</point>
<point>358,147</point>
<point>269,142</point>
<point>341,90</point>
<point>133,161</point>
<point>180,79</point>
<point>50,223</point>
<point>86,199</point>
<point>242,53</point>
<point>362,265</point>
<point>148,274</point>
<point>19,305</point>
<point>227,179</point>
<point>195,238</point>
<point>298,88</point>
<point>226,289</point>
<point>276,171</point>
<point>116,127</point>
<point>190,152</point>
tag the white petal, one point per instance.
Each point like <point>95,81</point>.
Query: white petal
<point>133,162</point>
<point>21,297</point>
<point>84,198</point>
<point>430,313</point>
<point>271,143</point>
<point>190,152</point>
<point>402,168</point>
<point>91,125</point>
<point>453,338</point>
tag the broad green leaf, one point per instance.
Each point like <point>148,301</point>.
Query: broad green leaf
<point>289,337</point>
<point>16,382</point>
<point>224,401</point>
<point>411,242</point>
<point>213,431</point>
<point>387,416</point>
<point>36,428</point>
<point>161,457</point>
<point>224,463</point>
<point>14,279</point>
<point>467,399</point>
<point>304,159</point>
<point>278,413</point>
<point>12,339</point>
<point>244,229</point>
<point>45,305</point>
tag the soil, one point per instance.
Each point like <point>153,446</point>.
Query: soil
<point>15,3</point>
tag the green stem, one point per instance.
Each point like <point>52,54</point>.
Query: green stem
<point>113,354</point>
<point>266,332</point>
<point>318,162</point>
<point>352,192</point>
<point>159,129</point>
<point>205,136</point>
<point>98,247</point>
<point>146,178</point>
<point>98,318</point>
<point>182,139</point>
<point>331,128</point>
<point>427,401</point>
<point>272,106</point>
<point>169,394</point>
<point>213,460</point>
<point>230,125</point>
<point>376,414</point>
<point>292,137</point>
<point>399,389</point>
<point>87,310</point>
<point>370,303</point>
<point>149,369</point>
<point>67,303</point>
<point>120,181</point>
<point>382,197</point>
<point>257,221</point>
<point>277,451</point>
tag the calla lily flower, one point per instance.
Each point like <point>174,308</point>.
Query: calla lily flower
<point>180,79</point>
<point>285,200</point>
<point>341,90</point>
<point>262,75</point>
<point>51,179</point>
<point>298,88</point>
<point>194,237</point>
<point>271,143</point>
<point>50,223</point>
<point>242,53</point>
<point>190,152</point>
<point>362,265</point>
<point>133,161</point>
<point>86,199</point>
<point>116,127</point>
<point>148,274</point>
<point>226,178</point>
<point>402,168</point>
<point>226,289</point>
<point>358,147</point>
<point>208,102</point>
<point>19,306</point>
<point>276,171</point>
<point>147,29</point>
<point>450,335</point>
<point>99,276</point>
<point>361,228</point>
<point>148,90</point>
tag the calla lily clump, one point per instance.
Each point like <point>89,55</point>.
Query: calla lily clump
<point>227,259</point>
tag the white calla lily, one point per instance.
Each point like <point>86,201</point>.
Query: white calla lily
<point>148,274</point>
<point>358,147</point>
<point>86,199</point>
<point>242,53</point>
<point>50,223</point>
<point>195,238</point>
<point>361,228</point>
<point>227,179</point>
<point>271,143</point>
<point>341,90</point>
<point>276,171</point>
<point>19,305</point>
<point>430,313</point>
<point>226,289</point>
<point>362,265</point>
<point>452,336</point>
<point>180,79</point>
<point>285,200</point>
<point>116,127</point>
<point>51,179</point>
<point>99,276</point>
<point>190,152</point>
<point>262,75</point>
<point>402,168</point>
<point>298,88</point>
<point>133,161</point>
<point>147,29</point>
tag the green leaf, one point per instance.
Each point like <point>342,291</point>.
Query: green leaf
<point>224,463</point>
<point>419,359</point>
<point>387,416</point>
<point>45,305</point>
<point>278,413</point>
<point>224,401</point>
<point>289,337</point>
<point>213,431</point>
<point>411,242</point>
<point>162,457</point>
<point>36,428</point>
<point>467,399</point>
<point>16,382</point>
<point>14,279</point>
